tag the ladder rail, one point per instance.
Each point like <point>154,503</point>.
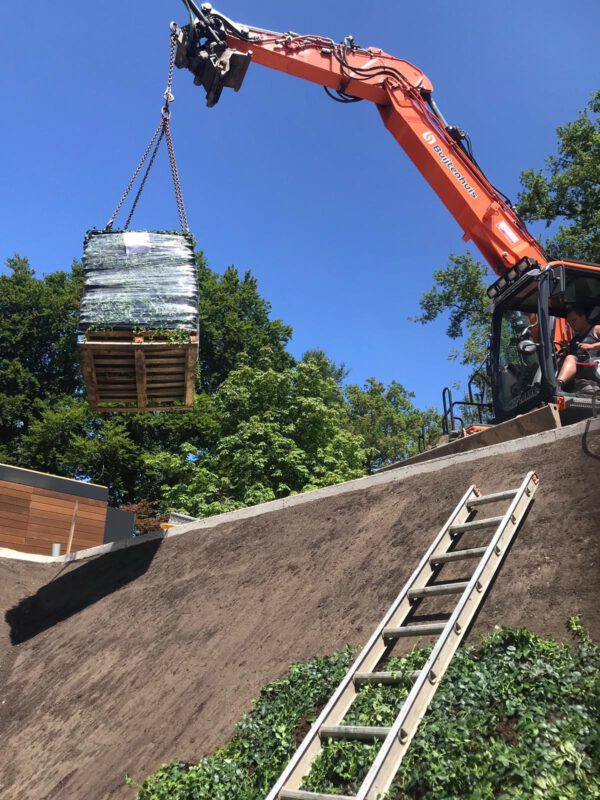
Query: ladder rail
<point>395,744</point>
<point>335,710</point>
<point>388,760</point>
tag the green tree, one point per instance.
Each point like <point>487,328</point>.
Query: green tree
<point>46,445</point>
<point>338,372</point>
<point>106,453</point>
<point>263,425</point>
<point>38,321</point>
<point>38,354</point>
<point>567,190</point>
<point>234,321</point>
<point>44,419</point>
<point>281,432</point>
<point>17,389</point>
<point>459,291</point>
<point>387,421</point>
<point>156,432</point>
<point>65,438</point>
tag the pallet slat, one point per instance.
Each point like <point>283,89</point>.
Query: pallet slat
<point>131,372</point>
<point>89,377</point>
<point>125,410</point>
<point>157,391</point>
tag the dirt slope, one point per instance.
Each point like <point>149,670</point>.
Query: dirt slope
<point>134,658</point>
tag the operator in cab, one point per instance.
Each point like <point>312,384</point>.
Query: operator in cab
<point>584,346</point>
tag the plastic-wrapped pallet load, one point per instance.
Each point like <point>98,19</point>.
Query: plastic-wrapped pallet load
<point>139,320</point>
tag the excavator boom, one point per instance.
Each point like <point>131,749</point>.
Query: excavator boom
<point>218,51</point>
<point>529,293</point>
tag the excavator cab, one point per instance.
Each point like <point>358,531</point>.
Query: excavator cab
<point>530,339</point>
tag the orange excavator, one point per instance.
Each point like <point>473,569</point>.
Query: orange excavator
<point>532,295</point>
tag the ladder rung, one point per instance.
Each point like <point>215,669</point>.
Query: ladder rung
<point>457,555</point>
<point>440,589</point>
<point>430,629</point>
<point>385,678</point>
<point>492,498</point>
<point>298,794</point>
<point>352,732</point>
<point>490,522</point>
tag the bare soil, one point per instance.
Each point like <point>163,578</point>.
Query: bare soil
<point>118,664</point>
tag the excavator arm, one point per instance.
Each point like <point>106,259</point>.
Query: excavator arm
<point>218,51</point>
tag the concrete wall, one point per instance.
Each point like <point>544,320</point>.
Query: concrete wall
<point>119,525</point>
<point>581,431</point>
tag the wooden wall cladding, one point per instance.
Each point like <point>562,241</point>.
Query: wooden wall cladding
<point>33,519</point>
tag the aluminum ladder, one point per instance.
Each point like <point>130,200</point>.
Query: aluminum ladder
<point>396,625</point>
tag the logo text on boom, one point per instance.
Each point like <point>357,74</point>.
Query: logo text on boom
<point>447,161</point>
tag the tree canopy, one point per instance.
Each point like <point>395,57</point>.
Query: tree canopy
<point>387,421</point>
<point>459,290</point>
<point>234,319</point>
<point>264,425</point>
<point>567,190</point>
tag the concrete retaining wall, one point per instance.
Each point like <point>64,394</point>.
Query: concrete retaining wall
<point>581,430</point>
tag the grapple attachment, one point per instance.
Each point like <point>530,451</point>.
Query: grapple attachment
<point>202,48</point>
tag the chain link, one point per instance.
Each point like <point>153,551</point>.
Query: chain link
<point>162,131</point>
<point>176,183</point>
<point>145,178</point>
<point>168,95</point>
<point>155,136</point>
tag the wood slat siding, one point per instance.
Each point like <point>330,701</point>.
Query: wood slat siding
<point>33,519</point>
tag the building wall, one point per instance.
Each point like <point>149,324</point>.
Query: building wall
<point>37,510</point>
<point>119,525</point>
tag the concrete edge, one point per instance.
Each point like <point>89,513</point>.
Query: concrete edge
<point>399,474</point>
<point>80,555</point>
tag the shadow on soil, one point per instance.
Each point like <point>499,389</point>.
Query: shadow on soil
<point>590,444</point>
<point>73,591</point>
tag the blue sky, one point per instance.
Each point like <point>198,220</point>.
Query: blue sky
<point>315,198</point>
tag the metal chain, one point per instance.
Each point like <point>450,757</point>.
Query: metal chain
<point>176,183</point>
<point>162,131</point>
<point>145,178</point>
<point>156,134</point>
<point>167,131</point>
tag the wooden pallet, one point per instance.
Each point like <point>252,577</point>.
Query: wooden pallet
<point>125,371</point>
